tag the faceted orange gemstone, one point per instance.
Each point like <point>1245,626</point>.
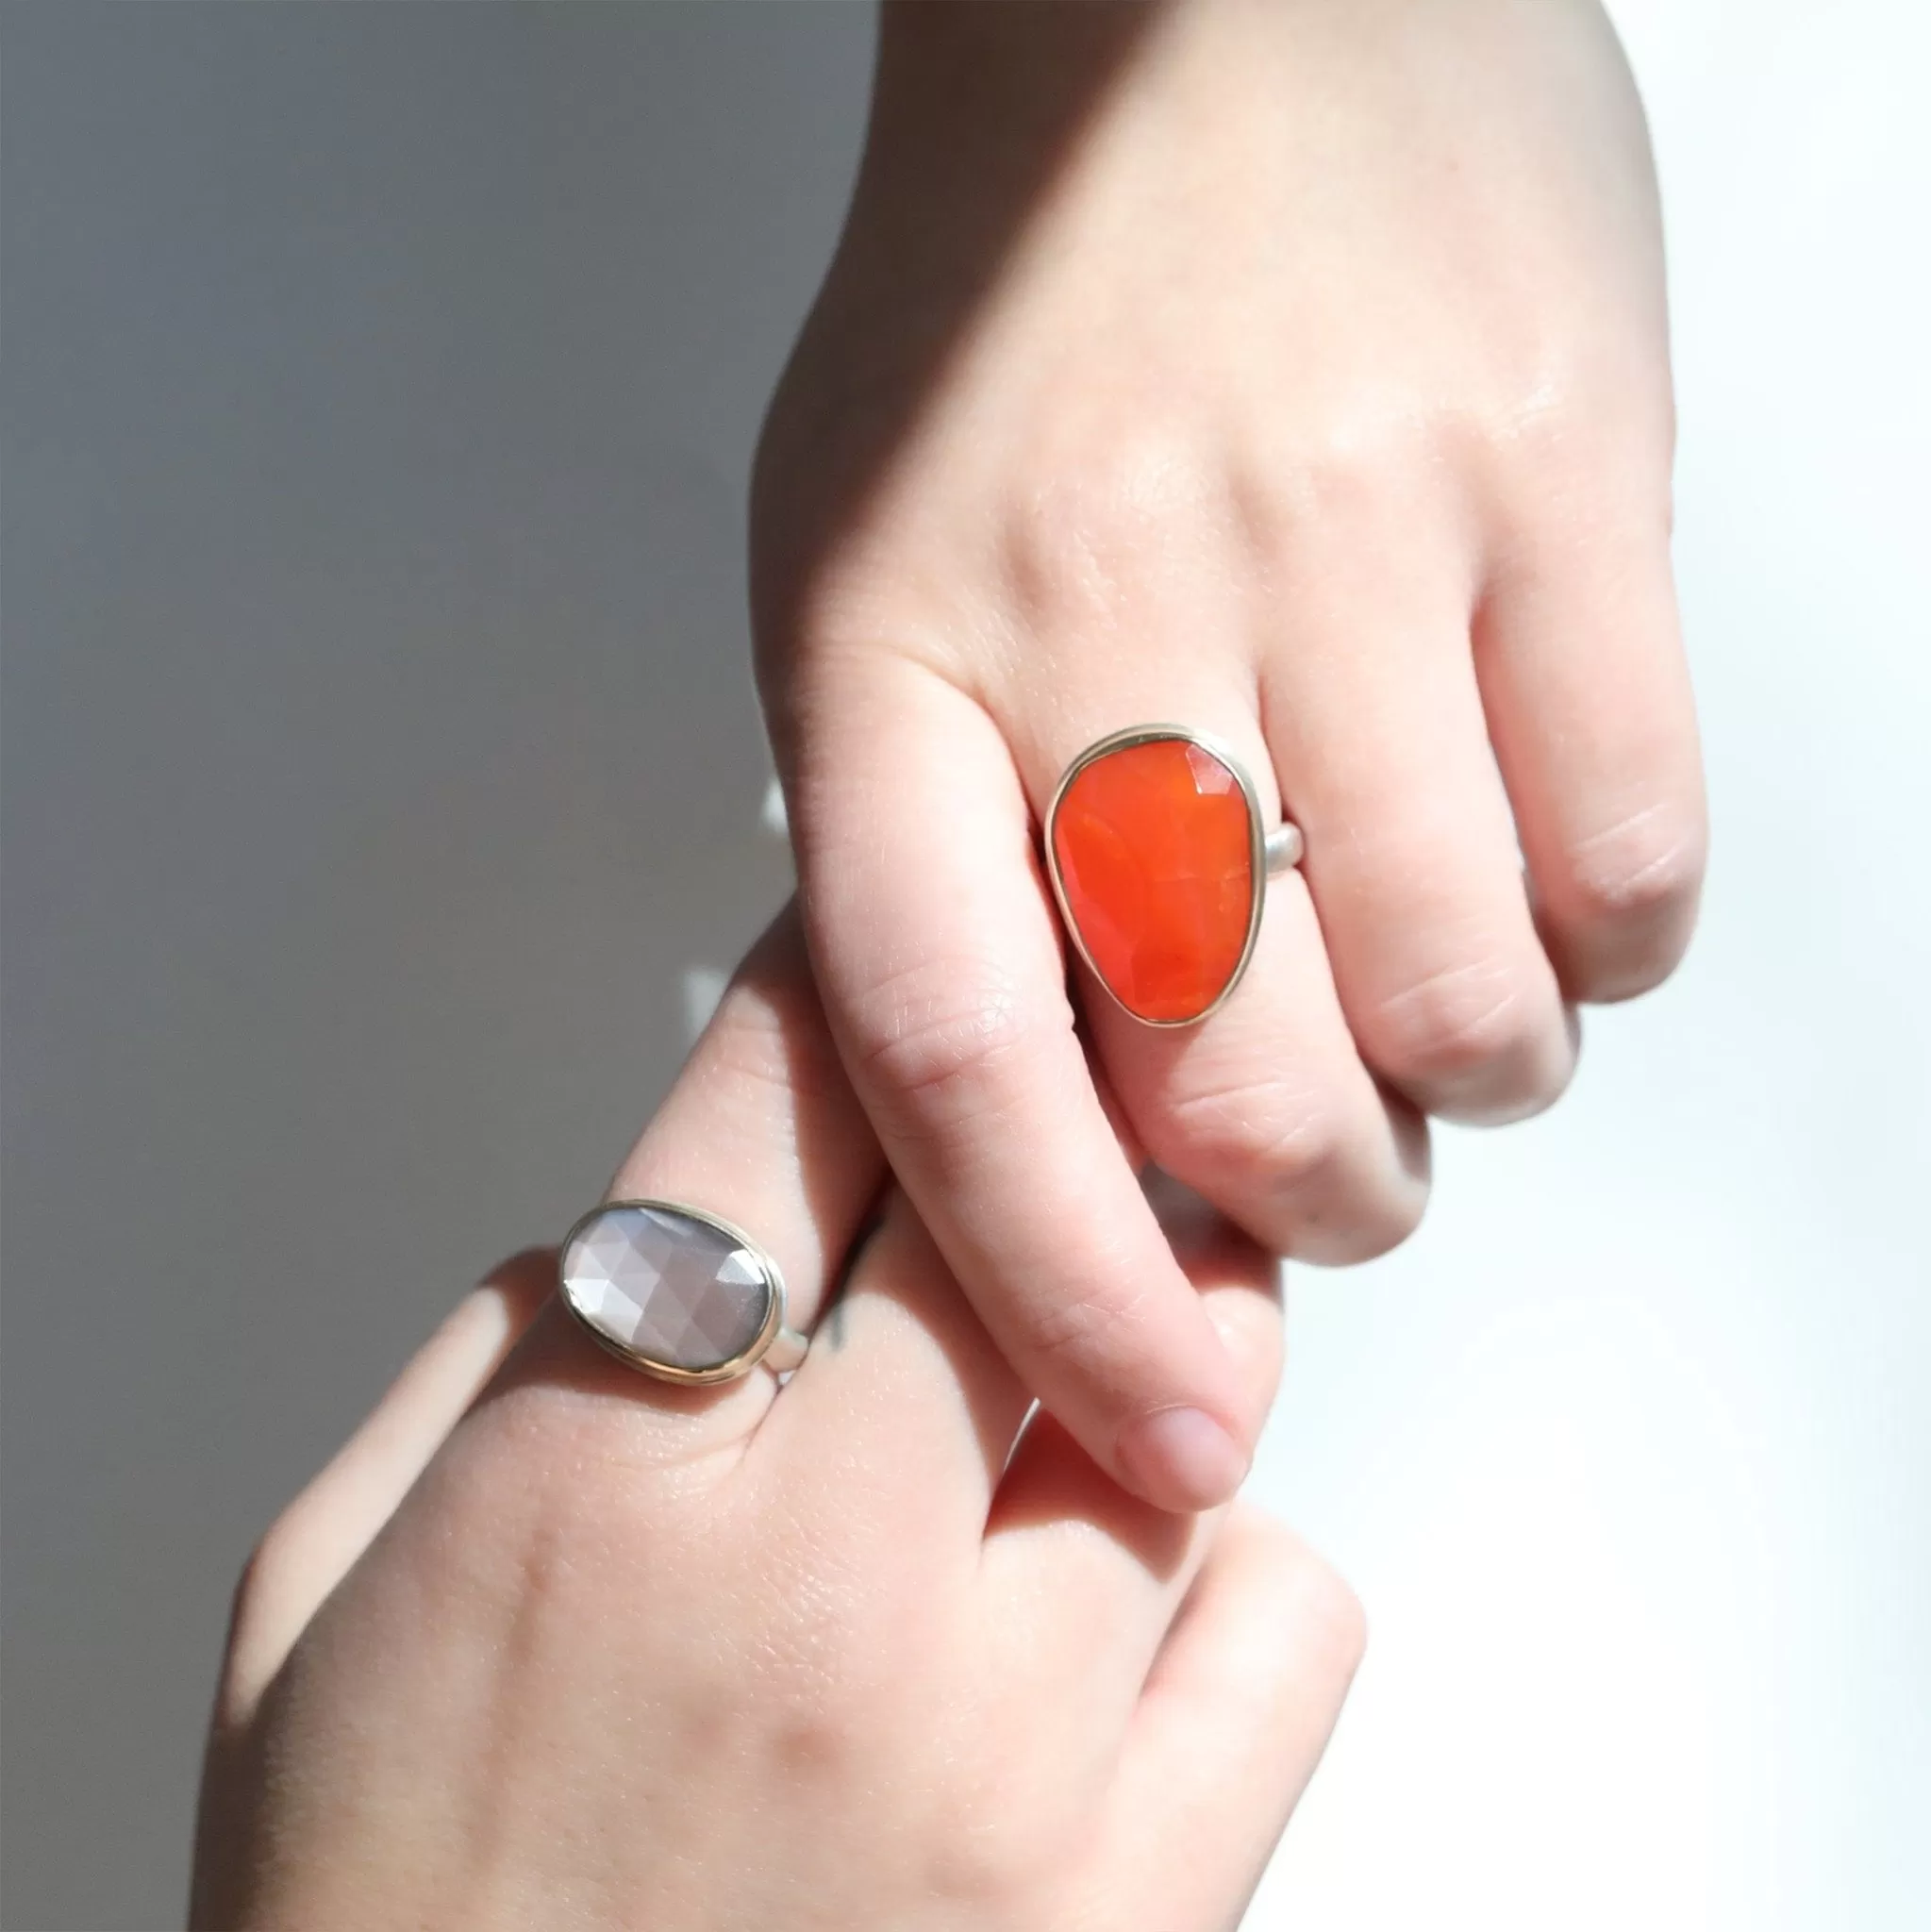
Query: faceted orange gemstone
<point>1155,861</point>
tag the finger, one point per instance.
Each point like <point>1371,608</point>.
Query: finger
<point>903,1382</point>
<point>1590,707</point>
<point>763,1129</point>
<point>1061,1532</point>
<point>1264,1107</point>
<point>1267,1108</point>
<point>1377,731</point>
<point>945,985</point>
<point>318,1538</point>
<point>1229,1729</point>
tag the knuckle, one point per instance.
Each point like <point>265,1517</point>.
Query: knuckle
<point>1284,1157</point>
<point>1545,428</point>
<point>1093,520</point>
<point>847,1675</point>
<point>988,1867</point>
<point>953,1039</point>
<point>818,1701</point>
<point>1352,489</point>
<point>1269,1134</point>
<point>1646,868</point>
<point>1331,1615</point>
<point>1458,1020</point>
<point>1569,425</point>
<point>1376,1229</point>
<point>269,1581</point>
<point>1329,1624</point>
<point>1344,491</point>
<point>276,1557</point>
<point>1003,1837</point>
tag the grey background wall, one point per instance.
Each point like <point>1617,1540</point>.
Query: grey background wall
<point>380,748</point>
<point>382,775</point>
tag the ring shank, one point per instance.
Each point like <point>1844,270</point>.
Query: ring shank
<point>1286,848</point>
<point>785,1351</point>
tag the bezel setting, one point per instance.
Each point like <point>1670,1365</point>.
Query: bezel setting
<point>728,1370</point>
<point>1256,853</point>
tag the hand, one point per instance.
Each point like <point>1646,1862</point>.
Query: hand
<point>1296,372</point>
<point>598,1653</point>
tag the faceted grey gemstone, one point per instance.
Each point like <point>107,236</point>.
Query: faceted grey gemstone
<point>667,1286</point>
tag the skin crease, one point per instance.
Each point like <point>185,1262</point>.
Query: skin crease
<point>588,1652</point>
<point>1296,370</point>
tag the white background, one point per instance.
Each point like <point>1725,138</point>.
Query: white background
<point>1630,1452</point>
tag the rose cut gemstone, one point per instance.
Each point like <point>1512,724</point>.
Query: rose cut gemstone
<point>667,1286</point>
<point>1152,847</point>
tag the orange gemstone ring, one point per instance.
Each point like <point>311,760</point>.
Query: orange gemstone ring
<point>1159,862</point>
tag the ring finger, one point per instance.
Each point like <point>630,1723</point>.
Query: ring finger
<point>761,1130</point>
<point>1263,1106</point>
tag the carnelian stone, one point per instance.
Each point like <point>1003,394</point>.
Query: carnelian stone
<point>1155,855</point>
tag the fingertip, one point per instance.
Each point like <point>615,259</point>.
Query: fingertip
<point>1181,1459</point>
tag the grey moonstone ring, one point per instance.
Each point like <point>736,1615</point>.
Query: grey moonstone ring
<point>677,1292</point>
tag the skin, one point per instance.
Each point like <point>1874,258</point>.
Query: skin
<point>586,1652</point>
<point>1296,370</point>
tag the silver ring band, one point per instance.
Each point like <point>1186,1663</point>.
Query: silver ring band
<point>1285,848</point>
<point>677,1292</point>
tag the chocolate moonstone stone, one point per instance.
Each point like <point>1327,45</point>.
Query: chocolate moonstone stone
<point>668,1287</point>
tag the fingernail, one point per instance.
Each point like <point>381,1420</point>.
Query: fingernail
<point>1181,1458</point>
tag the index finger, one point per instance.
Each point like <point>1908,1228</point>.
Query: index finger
<point>943,980</point>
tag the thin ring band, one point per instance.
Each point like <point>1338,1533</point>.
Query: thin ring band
<point>677,1292</point>
<point>1159,862</point>
<point>1285,848</point>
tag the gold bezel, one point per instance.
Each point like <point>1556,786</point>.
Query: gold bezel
<point>1257,843</point>
<point>670,1372</point>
